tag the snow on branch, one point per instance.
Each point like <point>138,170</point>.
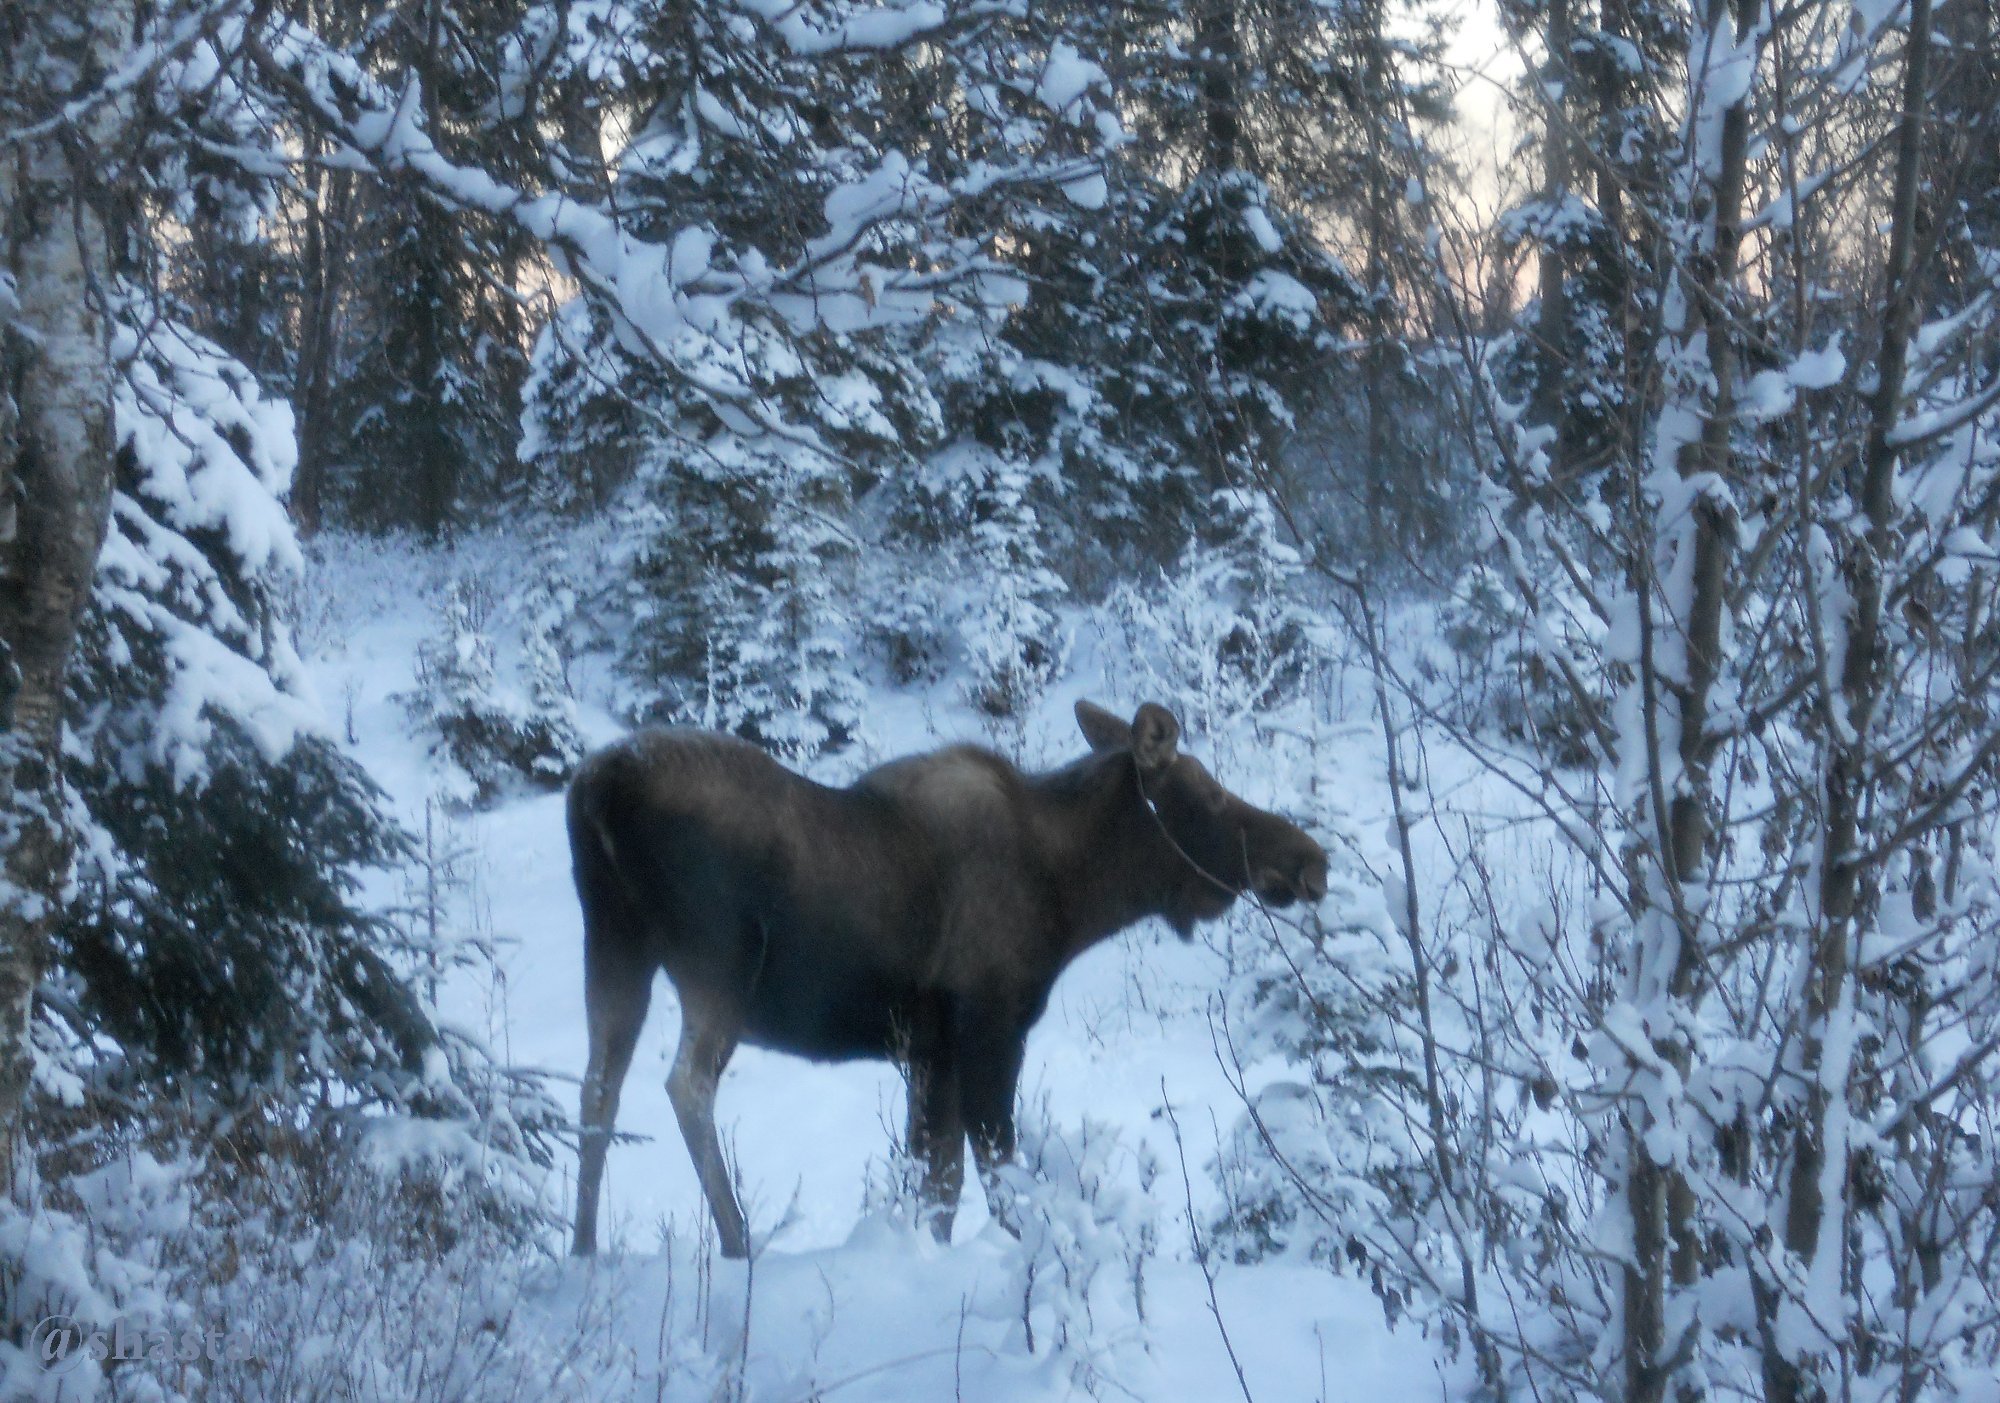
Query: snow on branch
<point>663,289</point>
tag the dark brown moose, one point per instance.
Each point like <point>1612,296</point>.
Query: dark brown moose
<point>921,914</point>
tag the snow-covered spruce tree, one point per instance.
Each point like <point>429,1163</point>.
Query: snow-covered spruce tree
<point>209,963</point>
<point>187,697</point>
<point>1300,132</point>
<point>734,559</point>
<point>396,327</point>
<point>1164,344</point>
<point>211,968</point>
<point>491,732</point>
<point>428,408</point>
<point>581,439</point>
<point>406,331</point>
<point>1601,82</point>
<point>999,497</point>
<point>1011,635</point>
<point>216,939</point>
<point>764,421</point>
<point>427,405</point>
<point>1177,319</point>
<point>1385,470</point>
<point>1223,627</point>
<point>765,272</point>
<point>741,560</point>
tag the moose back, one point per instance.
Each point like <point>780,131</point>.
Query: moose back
<point>921,914</point>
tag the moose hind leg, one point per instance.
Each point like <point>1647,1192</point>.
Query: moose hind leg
<point>616,993</point>
<point>708,1040</point>
<point>937,1139</point>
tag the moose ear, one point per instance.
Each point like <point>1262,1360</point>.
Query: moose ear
<point>1155,738</point>
<point>1103,730</point>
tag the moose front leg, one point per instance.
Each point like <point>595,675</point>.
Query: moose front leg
<point>989,1078</point>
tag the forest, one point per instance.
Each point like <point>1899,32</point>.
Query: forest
<point>1548,451</point>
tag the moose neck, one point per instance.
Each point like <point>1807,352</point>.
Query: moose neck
<point>1102,848</point>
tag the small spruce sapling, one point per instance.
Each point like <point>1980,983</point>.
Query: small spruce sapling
<point>1010,630</point>
<point>491,735</point>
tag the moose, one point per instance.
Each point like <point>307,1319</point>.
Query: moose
<point>922,914</point>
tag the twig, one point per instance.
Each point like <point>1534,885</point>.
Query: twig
<point>1201,1254</point>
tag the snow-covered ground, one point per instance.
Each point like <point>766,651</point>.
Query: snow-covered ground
<point>843,1302</point>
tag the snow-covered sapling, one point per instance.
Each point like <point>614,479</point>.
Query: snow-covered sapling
<point>489,733</point>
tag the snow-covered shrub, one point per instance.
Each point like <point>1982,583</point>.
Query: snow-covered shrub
<point>1315,1027</point>
<point>1503,675</point>
<point>340,1274</point>
<point>305,1232</point>
<point>1322,1155</point>
<point>1223,631</point>
<point>1078,1285</point>
<point>892,1185</point>
<point>492,734</point>
<point>86,1239</point>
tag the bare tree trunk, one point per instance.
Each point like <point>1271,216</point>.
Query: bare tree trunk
<point>328,200</point>
<point>1813,1224</point>
<point>1552,293</point>
<point>1221,59</point>
<point>1666,1255</point>
<point>1377,363</point>
<point>1614,91</point>
<point>55,467</point>
<point>326,210</point>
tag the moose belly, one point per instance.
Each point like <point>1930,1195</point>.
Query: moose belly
<point>830,1011</point>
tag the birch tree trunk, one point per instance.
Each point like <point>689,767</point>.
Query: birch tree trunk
<point>55,468</point>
